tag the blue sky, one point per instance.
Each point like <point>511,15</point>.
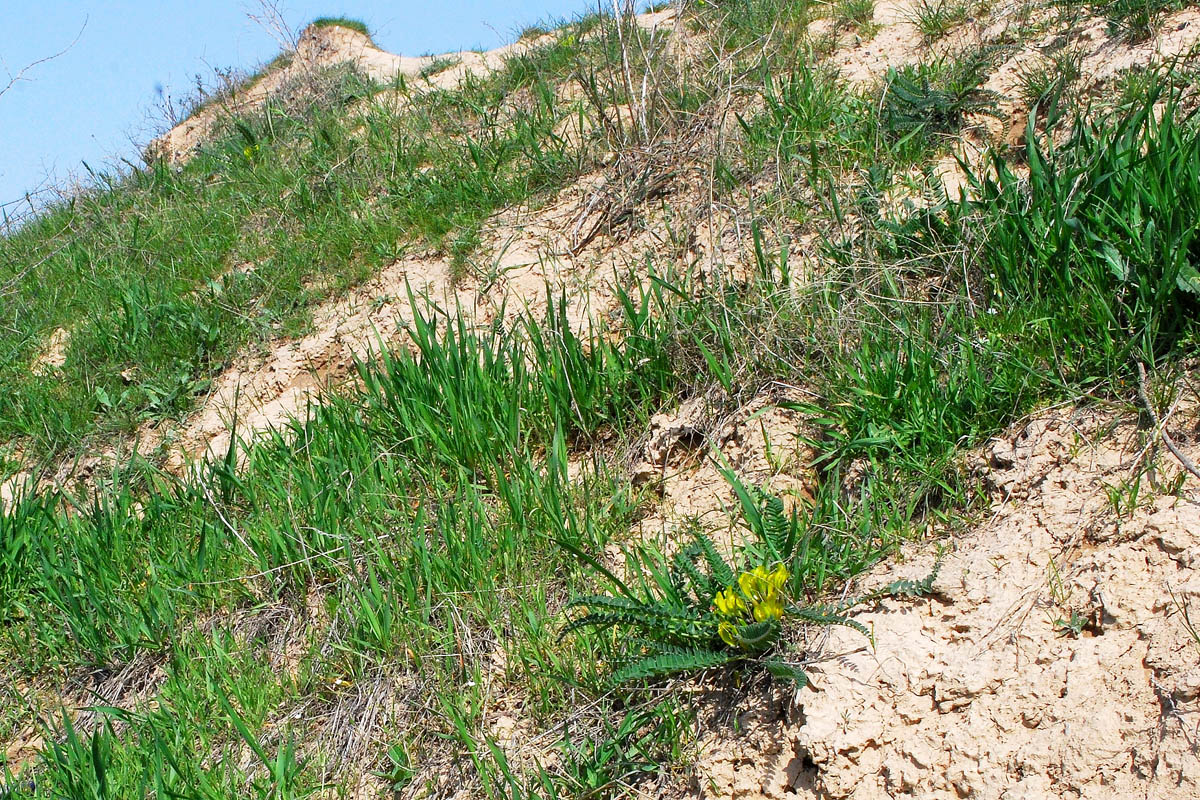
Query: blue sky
<point>96,101</point>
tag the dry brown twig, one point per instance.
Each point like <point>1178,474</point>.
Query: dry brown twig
<point>1160,425</point>
<point>16,77</point>
<point>270,18</point>
<point>623,14</point>
<point>613,211</point>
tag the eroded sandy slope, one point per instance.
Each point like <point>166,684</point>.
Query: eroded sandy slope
<point>329,45</point>
<point>983,691</point>
<point>526,252</point>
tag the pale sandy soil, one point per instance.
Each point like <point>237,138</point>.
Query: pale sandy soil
<point>979,691</point>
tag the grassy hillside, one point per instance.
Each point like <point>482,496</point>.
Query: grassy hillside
<point>373,599</point>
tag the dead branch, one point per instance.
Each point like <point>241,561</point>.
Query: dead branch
<point>15,77</point>
<point>615,211</point>
<point>270,18</point>
<point>1159,426</point>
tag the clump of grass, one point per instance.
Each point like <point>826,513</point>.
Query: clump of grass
<point>1135,20</point>
<point>1102,231</point>
<point>342,22</point>
<point>858,14</point>
<point>743,23</point>
<point>1046,82</point>
<point>637,745</point>
<point>531,32</point>
<point>438,65</point>
<point>824,44</point>
<point>812,128</point>
<point>935,18</point>
<point>1133,84</point>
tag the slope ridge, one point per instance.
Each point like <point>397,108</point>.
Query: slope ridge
<point>323,46</point>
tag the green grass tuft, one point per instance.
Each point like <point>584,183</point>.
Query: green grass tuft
<point>936,18</point>
<point>342,22</point>
<point>1103,231</point>
<point>855,13</point>
<point>1135,20</point>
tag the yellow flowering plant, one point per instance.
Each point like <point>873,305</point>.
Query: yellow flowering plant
<point>696,612</point>
<point>693,611</point>
<point>758,597</point>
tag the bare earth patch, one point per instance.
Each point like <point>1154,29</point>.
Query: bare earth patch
<point>984,690</point>
<point>897,42</point>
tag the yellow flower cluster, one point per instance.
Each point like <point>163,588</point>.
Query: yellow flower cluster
<point>763,589</point>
